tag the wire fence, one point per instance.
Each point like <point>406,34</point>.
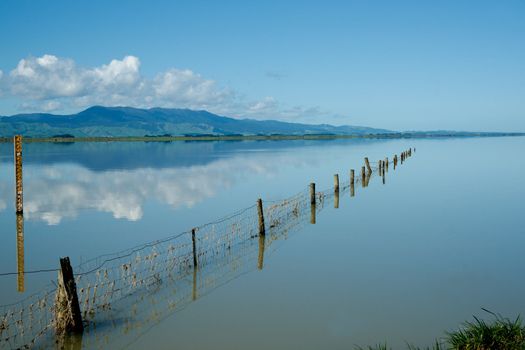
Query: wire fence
<point>125,285</point>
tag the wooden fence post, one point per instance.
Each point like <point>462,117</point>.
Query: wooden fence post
<point>68,316</point>
<point>336,183</point>
<point>194,244</point>
<point>260,211</point>
<point>363,176</point>
<point>352,180</point>
<point>312,193</point>
<point>312,203</point>
<point>19,188</point>
<point>368,167</point>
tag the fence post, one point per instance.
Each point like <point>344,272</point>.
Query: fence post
<point>68,316</point>
<point>312,203</point>
<point>336,183</point>
<point>386,163</point>
<point>368,165</point>
<point>260,211</point>
<point>352,176</point>
<point>20,251</point>
<point>19,188</point>
<point>194,247</point>
<point>363,176</point>
<point>312,193</point>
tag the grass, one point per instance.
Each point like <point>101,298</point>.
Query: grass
<point>499,334</point>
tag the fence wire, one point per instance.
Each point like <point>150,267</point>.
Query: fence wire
<point>145,284</point>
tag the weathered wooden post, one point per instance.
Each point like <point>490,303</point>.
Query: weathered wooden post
<point>19,188</point>
<point>68,316</point>
<point>261,217</point>
<point>312,193</point>
<point>194,244</point>
<point>386,163</point>
<point>368,167</point>
<point>336,183</point>
<point>352,181</point>
<point>336,199</point>
<point>20,251</point>
<point>312,203</point>
<point>260,260</point>
<point>363,177</point>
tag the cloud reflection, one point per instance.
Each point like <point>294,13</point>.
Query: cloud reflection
<point>60,191</point>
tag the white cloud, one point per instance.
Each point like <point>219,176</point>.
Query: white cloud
<point>51,83</point>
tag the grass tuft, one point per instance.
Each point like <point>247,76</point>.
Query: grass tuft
<point>499,334</point>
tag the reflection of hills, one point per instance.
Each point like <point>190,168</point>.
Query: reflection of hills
<point>102,156</point>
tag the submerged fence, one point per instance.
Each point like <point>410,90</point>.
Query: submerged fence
<point>130,285</point>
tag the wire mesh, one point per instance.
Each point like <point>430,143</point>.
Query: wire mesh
<point>144,284</point>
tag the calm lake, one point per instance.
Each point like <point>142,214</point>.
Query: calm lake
<point>402,261</point>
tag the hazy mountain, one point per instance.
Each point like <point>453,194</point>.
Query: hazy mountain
<point>126,121</point>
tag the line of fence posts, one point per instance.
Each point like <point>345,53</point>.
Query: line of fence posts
<point>68,318</point>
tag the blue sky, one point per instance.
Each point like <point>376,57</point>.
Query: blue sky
<point>401,65</point>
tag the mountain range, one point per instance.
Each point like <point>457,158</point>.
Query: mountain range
<point>100,121</point>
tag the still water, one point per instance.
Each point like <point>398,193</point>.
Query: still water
<point>401,262</point>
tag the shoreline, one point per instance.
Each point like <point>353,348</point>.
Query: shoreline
<point>257,137</point>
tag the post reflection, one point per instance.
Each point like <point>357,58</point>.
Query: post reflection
<point>20,252</point>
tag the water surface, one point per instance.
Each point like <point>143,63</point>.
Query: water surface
<point>400,261</point>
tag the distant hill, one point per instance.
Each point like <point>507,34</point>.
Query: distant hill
<point>126,121</point>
